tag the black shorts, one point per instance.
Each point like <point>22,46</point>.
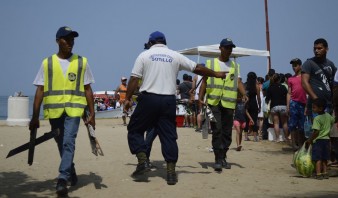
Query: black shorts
<point>321,150</point>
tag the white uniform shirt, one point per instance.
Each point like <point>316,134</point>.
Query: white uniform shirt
<point>88,75</point>
<point>158,67</point>
<point>225,66</point>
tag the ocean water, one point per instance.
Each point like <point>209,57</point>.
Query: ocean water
<point>4,107</point>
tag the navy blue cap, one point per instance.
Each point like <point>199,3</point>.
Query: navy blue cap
<point>65,31</point>
<point>156,36</point>
<point>227,42</point>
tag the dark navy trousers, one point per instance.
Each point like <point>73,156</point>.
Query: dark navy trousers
<point>150,137</point>
<point>158,111</point>
<point>222,129</point>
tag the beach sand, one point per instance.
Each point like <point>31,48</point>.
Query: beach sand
<point>261,169</point>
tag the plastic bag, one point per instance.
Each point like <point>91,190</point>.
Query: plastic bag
<point>303,161</point>
<point>307,127</point>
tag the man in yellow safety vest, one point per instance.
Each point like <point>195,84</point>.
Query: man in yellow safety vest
<point>221,98</point>
<point>63,84</point>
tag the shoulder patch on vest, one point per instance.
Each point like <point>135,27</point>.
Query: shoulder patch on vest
<point>232,76</point>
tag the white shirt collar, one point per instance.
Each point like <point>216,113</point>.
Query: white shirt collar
<point>159,45</point>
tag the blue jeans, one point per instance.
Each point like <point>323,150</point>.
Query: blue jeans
<point>68,127</point>
<point>296,116</point>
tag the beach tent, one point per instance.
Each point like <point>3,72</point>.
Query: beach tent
<point>212,51</point>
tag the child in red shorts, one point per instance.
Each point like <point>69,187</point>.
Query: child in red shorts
<point>320,139</point>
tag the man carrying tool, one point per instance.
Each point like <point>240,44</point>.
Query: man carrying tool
<point>63,84</point>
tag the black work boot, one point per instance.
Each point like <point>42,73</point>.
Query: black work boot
<point>218,161</point>
<point>142,165</point>
<point>171,173</point>
<point>61,187</point>
<point>218,165</point>
<point>73,179</point>
<point>225,164</point>
<point>150,165</point>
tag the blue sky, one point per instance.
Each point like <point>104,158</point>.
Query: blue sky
<point>112,33</point>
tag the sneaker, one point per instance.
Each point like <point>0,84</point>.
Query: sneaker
<point>325,176</point>
<point>61,187</point>
<point>319,177</point>
<point>239,148</point>
<point>171,178</point>
<point>141,169</point>
<point>198,130</point>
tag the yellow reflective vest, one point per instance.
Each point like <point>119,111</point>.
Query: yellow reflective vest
<point>64,93</point>
<point>224,90</point>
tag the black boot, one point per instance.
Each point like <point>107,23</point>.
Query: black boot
<point>218,161</point>
<point>225,164</point>
<point>72,180</point>
<point>61,187</point>
<point>171,173</point>
<point>142,165</point>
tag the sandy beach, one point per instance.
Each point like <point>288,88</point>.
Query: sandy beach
<point>261,169</point>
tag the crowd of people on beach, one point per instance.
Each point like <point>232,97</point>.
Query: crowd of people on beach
<point>218,89</point>
<point>280,107</point>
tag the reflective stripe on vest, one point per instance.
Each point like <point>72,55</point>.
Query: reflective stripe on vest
<point>64,93</point>
<point>223,90</point>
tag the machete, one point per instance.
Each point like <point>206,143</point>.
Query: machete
<point>31,146</point>
<point>39,140</point>
<point>94,143</point>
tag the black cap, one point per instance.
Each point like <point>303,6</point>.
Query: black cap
<point>65,31</point>
<point>227,42</point>
<point>296,61</point>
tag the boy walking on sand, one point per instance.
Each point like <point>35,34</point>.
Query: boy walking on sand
<point>320,139</point>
